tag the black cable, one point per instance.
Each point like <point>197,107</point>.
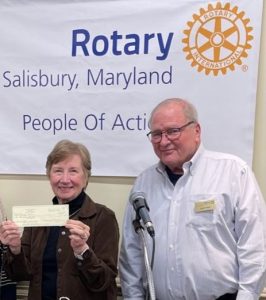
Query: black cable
<point>1,268</point>
<point>153,252</point>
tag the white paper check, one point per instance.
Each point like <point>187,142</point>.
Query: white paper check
<point>40,215</point>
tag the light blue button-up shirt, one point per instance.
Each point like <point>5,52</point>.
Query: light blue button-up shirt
<point>201,253</point>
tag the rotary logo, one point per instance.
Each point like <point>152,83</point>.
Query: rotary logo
<point>217,39</point>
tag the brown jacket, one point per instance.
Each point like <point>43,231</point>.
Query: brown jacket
<point>92,278</point>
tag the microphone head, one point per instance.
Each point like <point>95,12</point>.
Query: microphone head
<point>136,195</point>
<point>138,201</point>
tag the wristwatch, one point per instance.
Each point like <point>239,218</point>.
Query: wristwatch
<point>82,254</point>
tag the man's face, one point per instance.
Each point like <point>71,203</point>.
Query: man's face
<point>174,152</point>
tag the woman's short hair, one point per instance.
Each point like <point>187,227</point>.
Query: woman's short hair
<point>65,148</point>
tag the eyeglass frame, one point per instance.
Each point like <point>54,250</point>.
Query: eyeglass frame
<point>179,130</point>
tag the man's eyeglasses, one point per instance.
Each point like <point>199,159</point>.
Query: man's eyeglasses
<point>171,133</point>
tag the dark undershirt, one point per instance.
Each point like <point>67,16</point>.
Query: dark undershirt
<point>172,176</point>
<point>49,270</point>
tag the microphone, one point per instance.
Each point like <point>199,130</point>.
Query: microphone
<point>137,199</point>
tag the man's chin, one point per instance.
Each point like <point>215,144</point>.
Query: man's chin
<point>168,159</point>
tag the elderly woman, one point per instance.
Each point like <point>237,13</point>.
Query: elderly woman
<point>77,261</point>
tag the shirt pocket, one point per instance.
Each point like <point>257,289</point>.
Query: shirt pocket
<point>204,210</point>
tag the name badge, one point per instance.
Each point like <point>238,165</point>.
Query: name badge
<point>208,205</point>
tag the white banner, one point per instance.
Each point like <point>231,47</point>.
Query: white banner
<point>92,71</point>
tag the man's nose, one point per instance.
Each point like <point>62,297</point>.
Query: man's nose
<point>164,138</point>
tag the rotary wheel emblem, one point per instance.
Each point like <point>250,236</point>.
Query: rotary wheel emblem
<point>217,39</point>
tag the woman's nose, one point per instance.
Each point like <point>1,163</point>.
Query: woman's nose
<point>65,177</point>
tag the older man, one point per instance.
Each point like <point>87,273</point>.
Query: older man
<point>208,213</point>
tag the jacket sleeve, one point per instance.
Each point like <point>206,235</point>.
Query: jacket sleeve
<point>98,270</point>
<point>17,266</point>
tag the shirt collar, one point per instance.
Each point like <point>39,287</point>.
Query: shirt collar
<point>192,163</point>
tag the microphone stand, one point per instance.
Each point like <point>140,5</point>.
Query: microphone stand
<point>140,230</point>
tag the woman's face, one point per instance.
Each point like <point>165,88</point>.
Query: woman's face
<point>67,178</point>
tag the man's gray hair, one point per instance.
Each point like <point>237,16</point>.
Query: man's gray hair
<point>189,109</point>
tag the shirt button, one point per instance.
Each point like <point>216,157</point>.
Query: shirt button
<point>172,269</point>
<point>63,233</point>
<point>59,250</point>
<point>171,247</point>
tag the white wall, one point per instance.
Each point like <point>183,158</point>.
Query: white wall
<point>259,157</point>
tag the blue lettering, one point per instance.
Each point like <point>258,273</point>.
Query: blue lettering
<point>117,44</point>
<point>134,44</point>
<point>46,124</point>
<point>164,48</point>
<point>147,38</point>
<point>75,43</point>
<point>135,123</point>
<point>91,122</point>
<point>115,37</point>
<point>8,80</point>
<point>104,50</point>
